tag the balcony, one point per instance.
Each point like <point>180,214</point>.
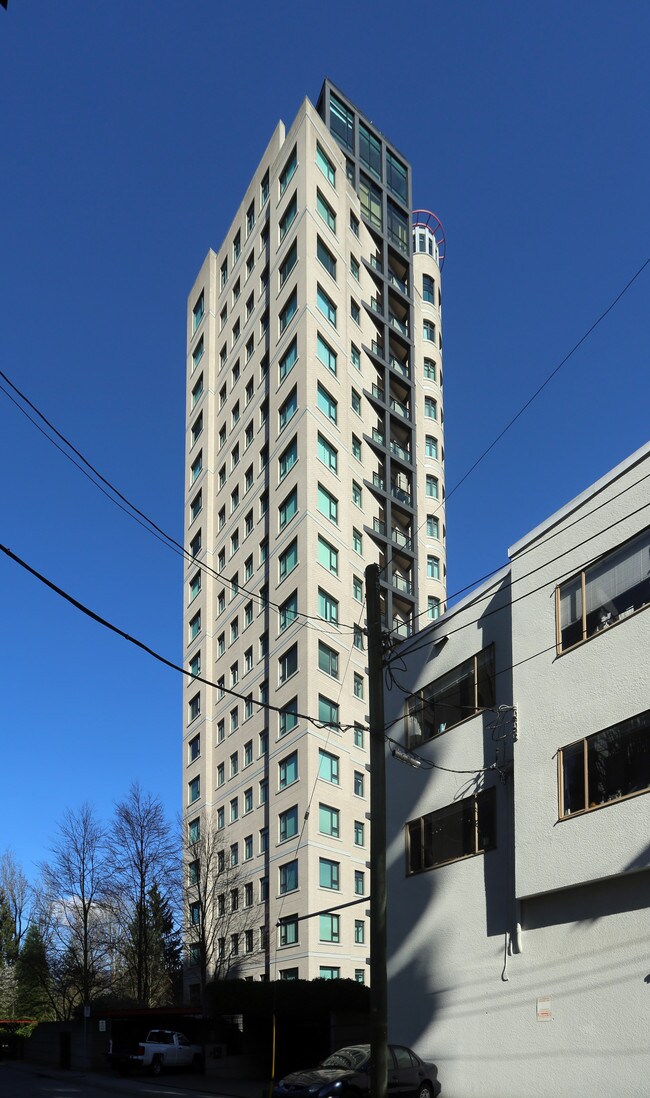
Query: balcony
<point>377,264</point>
<point>401,583</point>
<point>397,406</point>
<point>399,367</point>
<point>399,537</point>
<point>379,526</point>
<point>398,325</point>
<point>401,494</point>
<point>378,392</point>
<point>378,436</point>
<point>395,281</point>
<point>377,348</point>
<point>377,305</point>
<point>402,628</point>
<point>400,452</point>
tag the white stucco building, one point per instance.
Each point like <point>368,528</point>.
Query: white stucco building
<point>519,876</point>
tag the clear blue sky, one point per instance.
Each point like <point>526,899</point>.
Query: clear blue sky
<point>128,133</point>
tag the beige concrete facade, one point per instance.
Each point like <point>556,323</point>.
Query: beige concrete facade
<point>305,461</point>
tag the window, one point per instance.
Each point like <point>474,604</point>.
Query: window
<point>431,446</point>
<point>431,485</point>
<point>288,311</point>
<point>369,151</point>
<point>250,262</point>
<point>325,353</point>
<point>264,189</point>
<point>263,791</point>
<point>288,458</point>
<point>329,928</point>
<point>433,527</point>
<point>358,685</point>
<point>288,717</point>
<point>357,494</point>
<point>428,289</point>
<point>328,556</point>
<point>328,607</point>
<point>195,625</point>
<point>359,833</point>
<point>234,719</point>
<point>358,735</point>
<point>325,165</point>
<point>197,354</point>
<point>355,269</point>
<point>236,331</point>
<point>328,767</point>
<point>195,664</point>
<point>288,664</point>
<point>457,831</point>
<point>604,593</point>
<point>398,227</point>
<point>250,346</point>
<point>248,568</point>
<point>325,210</point>
<point>327,453</point>
<point>198,312</point>
<point>359,882</point>
<point>357,588</point>
<point>430,409</point>
<point>195,913</point>
<point>248,894</point>
<point>197,391</point>
<point>288,508</point>
<point>288,263</point>
<point>354,224</point>
<point>328,504</point>
<point>328,660</point>
<point>288,770</point>
<point>234,630</point>
<point>195,545</point>
<point>288,824</point>
<point>433,567</point>
<point>355,311</point>
<point>357,541</point>
<point>288,877</point>
<point>606,766</point>
<point>429,331</point>
<point>288,409</point>
<point>197,427</point>
<point>433,607</point>
<point>456,695</point>
<point>248,614</point>
<point>329,821</point>
<point>324,256</point>
<point>289,935</point>
<point>371,205</point>
<point>288,611</point>
<point>288,217</point>
<point>325,305</point>
<point>328,711</point>
<point>359,783</point>
<point>195,586</point>
<point>234,809</point>
<point>288,560</point>
<point>194,790</point>
<point>396,177</point>
<point>194,708</point>
<point>341,123</point>
<point>236,247</point>
<point>429,369</point>
<point>328,874</point>
<point>287,173</point>
<point>264,842</point>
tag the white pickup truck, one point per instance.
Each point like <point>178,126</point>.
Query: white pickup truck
<point>166,1050</point>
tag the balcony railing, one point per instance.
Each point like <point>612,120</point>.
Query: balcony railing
<point>379,482</point>
<point>399,367</point>
<point>401,494</point>
<point>377,305</point>
<point>400,538</point>
<point>378,392</point>
<point>379,526</point>
<point>377,348</point>
<point>377,264</point>
<point>402,628</point>
<point>401,409</point>
<point>395,281</point>
<point>378,436</point>
<point>397,324</point>
<point>395,448</point>
<point>400,583</point>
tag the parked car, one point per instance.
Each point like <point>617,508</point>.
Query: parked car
<point>346,1074</point>
<point>164,1049</point>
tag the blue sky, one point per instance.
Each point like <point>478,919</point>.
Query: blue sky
<point>128,133</point>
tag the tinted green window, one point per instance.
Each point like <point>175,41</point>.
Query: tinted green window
<point>325,165</point>
<point>287,172</point>
<point>288,359</point>
<point>341,123</point>
<point>327,454</point>
<point>325,353</point>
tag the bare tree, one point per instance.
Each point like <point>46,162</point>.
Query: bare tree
<point>15,891</point>
<point>73,908</point>
<point>144,862</point>
<point>217,904</point>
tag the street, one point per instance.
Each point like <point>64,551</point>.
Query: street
<point>30,1081</point>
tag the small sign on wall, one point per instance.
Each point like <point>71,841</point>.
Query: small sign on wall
<point>544,1009</point>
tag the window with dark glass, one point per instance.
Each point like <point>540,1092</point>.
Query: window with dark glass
<point>457,831</point>
<point>341,123</point>
<point>456,695</point>
<point>607,766</point>
<point>369,151</point>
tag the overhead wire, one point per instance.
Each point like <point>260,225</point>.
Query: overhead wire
<point>265,705</point>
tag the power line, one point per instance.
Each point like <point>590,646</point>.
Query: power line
<point>404,650</point>
<point>156,655</point>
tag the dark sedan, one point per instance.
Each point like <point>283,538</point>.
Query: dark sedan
<point>346,1074</point>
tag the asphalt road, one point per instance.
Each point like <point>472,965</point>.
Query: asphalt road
<point>28,1081</point>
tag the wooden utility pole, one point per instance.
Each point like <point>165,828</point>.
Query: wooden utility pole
<point>378,976</point>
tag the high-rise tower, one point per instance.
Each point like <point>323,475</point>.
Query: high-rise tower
<point>314,446</point>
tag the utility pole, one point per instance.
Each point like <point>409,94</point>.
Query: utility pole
<point>378,976</point>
